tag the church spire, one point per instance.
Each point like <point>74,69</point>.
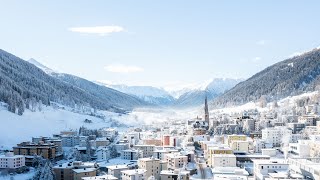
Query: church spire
<point>206,110</point>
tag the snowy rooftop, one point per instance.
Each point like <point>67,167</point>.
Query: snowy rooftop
<point>104,177</point>
<point>84,170</point>
<point>117,167</point>
<point>134,171</point>
<point>230,170</point>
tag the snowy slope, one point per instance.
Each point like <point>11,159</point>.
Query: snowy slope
<point>41,66</point>
<point>15,128</point>
<point>212,89</point>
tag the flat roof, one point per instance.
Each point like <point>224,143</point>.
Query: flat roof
<point>134,171</point>
<point>117,167</point>
<point>84,170</point>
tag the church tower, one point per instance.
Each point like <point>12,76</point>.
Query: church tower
<point>206,110</point>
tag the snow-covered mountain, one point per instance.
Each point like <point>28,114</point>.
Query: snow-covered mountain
<point>153,95</point>
<point>196,96</point>
<point>187,96</point>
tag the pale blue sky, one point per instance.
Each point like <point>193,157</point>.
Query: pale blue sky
<point>159,43</point>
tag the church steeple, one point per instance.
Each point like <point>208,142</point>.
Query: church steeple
<point>206,110</point>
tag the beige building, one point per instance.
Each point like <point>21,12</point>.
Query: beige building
<point>155,142</point>
<point>47,151</point>
<point>78,174</point>
<point>235,137</point>
<point>242,146</point>
<point>134,174</point>
<point>66,171</point>
<point>152,166</point>
<point>116,170</point>
<point>176,160</point>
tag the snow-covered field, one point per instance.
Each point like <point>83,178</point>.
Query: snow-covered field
<point>15,129</point>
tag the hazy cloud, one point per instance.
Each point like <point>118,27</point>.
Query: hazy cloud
<point>100,30</point>
<point>261,42</point>
<point>120,68</point>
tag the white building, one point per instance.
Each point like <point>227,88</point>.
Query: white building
<point>11,161</point>
<point>134,174</point>
<point>121,146</point>
<point>223,160</point>
<point>108,132</point>
<point>276,135</point>
<point>131,154</point>
<point>305,168</point>
<point>146,149</point>
<point>70,140</point>
<point>262,168</point>
<point>269,152</point>
<point>104,177</point>
<point>300,149</point>
<point>103,153</point>
<point>116,170</point>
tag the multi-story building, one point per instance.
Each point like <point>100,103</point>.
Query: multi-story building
<point>242,146</point>
<point>78,174</point>
<point>222,160</point>
<point>234,137</point>
<point>70,140</point>
<point>174,175</point>
<point>122,146</point>
<point>11,161</point>
<point>103,153</point>
<point>300,149</point>
<point>102,142</point>
<point>134,174</point>
<point>262,168</point>
<point>104,177</point>
<point>304,167</point>
<point>152,167</point>
<point>308,120</point>
<point>155,142</point>
<point>296,127</point>
<point>131,154</point>
<point>74,170</point>
<point>146,149</point>
<point>108,132</point>
<point>276,135</point>
<point>46,150</point>
<point>176,160</point>
<point>116,170</point>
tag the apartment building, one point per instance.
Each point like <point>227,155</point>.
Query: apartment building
<point>134,174</point>
<point>176,160</point>
<point>146,149</point>
<point>116,170</point>
<point>46,150</point>
<point>11,161</point>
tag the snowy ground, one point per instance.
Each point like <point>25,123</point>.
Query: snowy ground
<point>290,100</point>
<point>25,176</point>
<point>15,129</point>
